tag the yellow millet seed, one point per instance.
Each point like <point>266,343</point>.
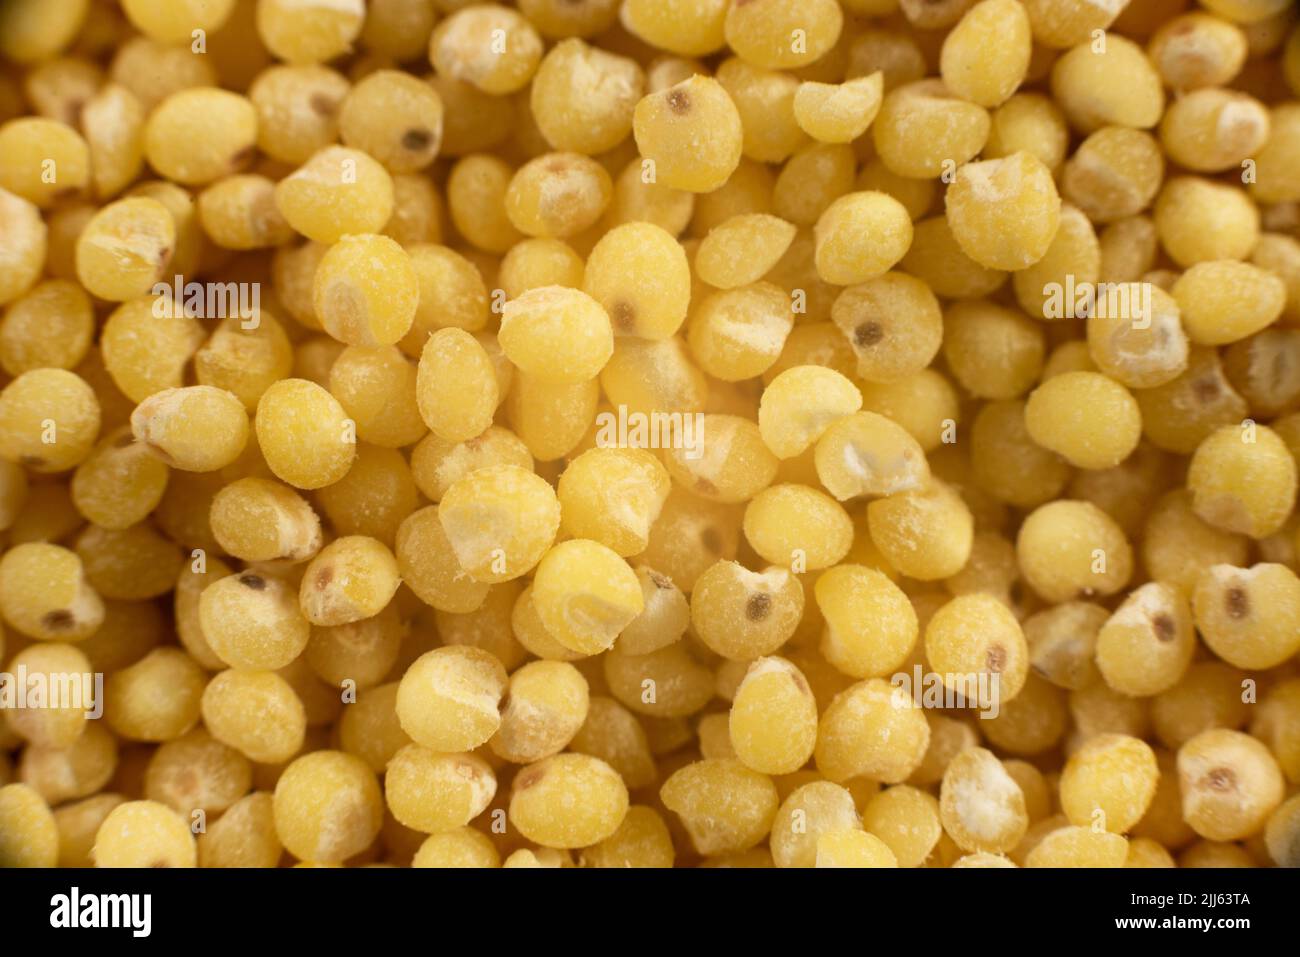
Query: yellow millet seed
<point>926,533</point>
<point>126,248</point>
<point>924,129</point>
<point>800,404</point>
<point>51,719</point>
<point>568,800</point>
<point>742,249</point>
<point>303,433</point>
<point>351,579</point>
<point>613,496</point>
<point>455,386</point>
<point>1088,418</point>
<point>795,525</point>
<point>642,840</point>
<point>1144,648</point>
<point>691,134</point>
<point>964,63</point>
<point>1072,846</point>
<point>870,625</point>
<point>1248,616</point>
<point>500,521</point>
<point>327,807</point>
<point>365,291</point>
<point>866,454</point>
<point>743,615</point>
<point>585,594</point>
<point>807,813</point>
<point>640,274</point>
<point>144,834</point>
<point>558,195</point>
<point>51,326</point>
<point>155,699</point>
<point>724,806</point>
<point>253,621</point>
<point>838,113</point>
<point>871,729</point>
<point>338,191</point>
<point>981,806</point>
<point>463,847</point>
<point>546,705</point>
<point>736,334</point>
<point>493,47</point>
<point>979,650</point>
<point>893,324</point>
<point>558,335</point>
<point>1109,783</point>
<point>259,520</point>
<point>664,618</point>
<point>1230,784</point>
<point>432,792</point>
<point>773,720</point>
<point>583,97</point>
<point>861,236</point>
<point>255,712</point>
<point>44,593</point>
<point>197,428</point>
<point>1004,212</point>
<point>906,820</point>
<point>1071,549</point>
<point>43,160</point>
<point>448,699</point>
<point>1225,301</point>
<point>394,117</point>
<point>1243,480</point>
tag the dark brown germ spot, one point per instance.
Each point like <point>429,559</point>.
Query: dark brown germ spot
<point>325,576</point>
<point>322,104</point>
<point>1164,627</point>
<point>868,334</point>
<point>661,581</point>
<point>1220,779</point>
<point>679,101</point>
<point>255,582</point>
<point>123,440</point>
<point>624,316</point>
<point>705,486</point>
<point>758,607</point>
<point>417,140</point>
<point>57,620</point>
<point>68,193</point>
<point>1205,390</point>
<point>32,460</point>
<point>164,255</point>
<point>1236,602</point>
<point>995,659</point>
<point>159,863</point>
<point>710,539</point>
<point>243,157</point>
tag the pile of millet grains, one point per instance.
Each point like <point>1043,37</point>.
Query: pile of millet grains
<point>648,433</point>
